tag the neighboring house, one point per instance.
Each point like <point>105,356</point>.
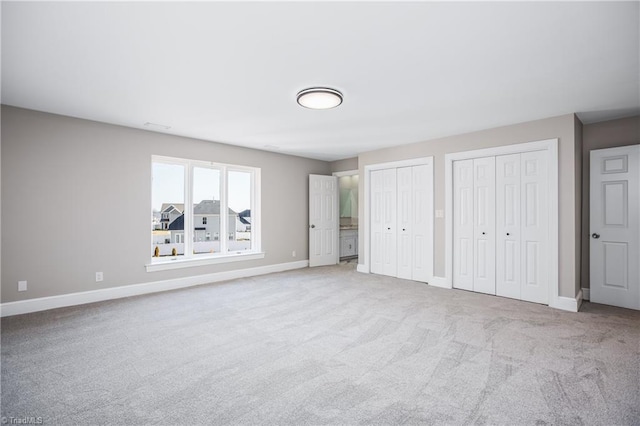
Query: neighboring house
<point>243,224</point>
<point>206,223</point>
<point>169,213</point>
<point>177,230</point>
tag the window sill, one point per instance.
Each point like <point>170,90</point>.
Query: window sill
<point>164,265</point>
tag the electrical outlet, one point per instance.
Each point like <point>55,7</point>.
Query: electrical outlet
<point>22,286</point>
<point>99,277</point>
<point>293,253</point>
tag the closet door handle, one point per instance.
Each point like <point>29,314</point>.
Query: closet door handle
<point>484,233</point>
<point>507,233</point>
<point>403,229</point>
<point>388,229</point>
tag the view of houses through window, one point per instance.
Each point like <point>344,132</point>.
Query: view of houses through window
<point>200,208</point>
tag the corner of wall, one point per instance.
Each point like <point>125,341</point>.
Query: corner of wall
<point>578,144</point>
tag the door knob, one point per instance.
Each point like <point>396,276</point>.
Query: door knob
<point>388,229</point>
<point>313,226</point>
<point>507,233</point>
<point>403,229</point>
<point>484,233</point>
<point>596,236</point>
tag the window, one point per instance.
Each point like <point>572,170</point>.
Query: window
<point>196,200</point>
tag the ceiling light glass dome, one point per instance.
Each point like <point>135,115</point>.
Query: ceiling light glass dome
<point>319,98</point>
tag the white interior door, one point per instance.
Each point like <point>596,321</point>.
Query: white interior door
<point>615,228</point>
<point>405,222</point>
<point>463,224</point>
<point>323,220</point>
<point>484,218</point>
<point>508,236</point>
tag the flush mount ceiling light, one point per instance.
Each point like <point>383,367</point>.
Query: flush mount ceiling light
<point>319,98</point>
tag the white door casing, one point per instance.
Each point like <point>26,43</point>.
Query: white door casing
<point>323,220</point>
<point>615,226</point>
<point>484,207</point>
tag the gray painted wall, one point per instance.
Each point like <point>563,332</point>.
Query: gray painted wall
<point>344,165</point>
<point>76,199</point>
<point>82,181</point>
<point>562,127</point>
<point>606,134</point>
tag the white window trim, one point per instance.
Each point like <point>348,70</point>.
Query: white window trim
<point>201,260</point>
<point>185,261</point>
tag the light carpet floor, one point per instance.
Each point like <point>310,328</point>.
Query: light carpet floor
<point>322,346</point>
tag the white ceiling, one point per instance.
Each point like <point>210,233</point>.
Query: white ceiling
<point>229,72</point>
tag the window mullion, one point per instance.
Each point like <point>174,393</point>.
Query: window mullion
<point>224,216</point>
<point>188,211</point>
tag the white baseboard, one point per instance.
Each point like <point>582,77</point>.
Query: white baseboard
<point>362,268</point>
<point>439,282</point>
<point>571,304</point>
<point>585,294</point>
<point>72,299</point>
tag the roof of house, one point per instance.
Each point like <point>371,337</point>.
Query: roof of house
<point>208,207</point>
<point>245,220</point>
<point>177,224</point>
<point>167,207</point>
<point>245,213</point>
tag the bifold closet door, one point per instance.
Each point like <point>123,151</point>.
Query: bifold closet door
<point>422,207</point>
<point>463,234</point>
<point>474,206</point>
<point>383,222</point>
<point>377,193</point>
<point>501,225</point>
<point>401,219</point>
<point>508,239</point>
<point>534,206</point>
<point>522,226</point>
<point>414,213</point>
<point>484,224</point>
<point>405,222</point>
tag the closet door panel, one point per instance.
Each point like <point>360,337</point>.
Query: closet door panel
<point>422,217</point>
<point>405,222</point>
<point>535,227</point>
<point>508,279</point>
<point>389,220</point>
<point>377,225</point>
<point>484,202</point>
<point>463,233</point>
